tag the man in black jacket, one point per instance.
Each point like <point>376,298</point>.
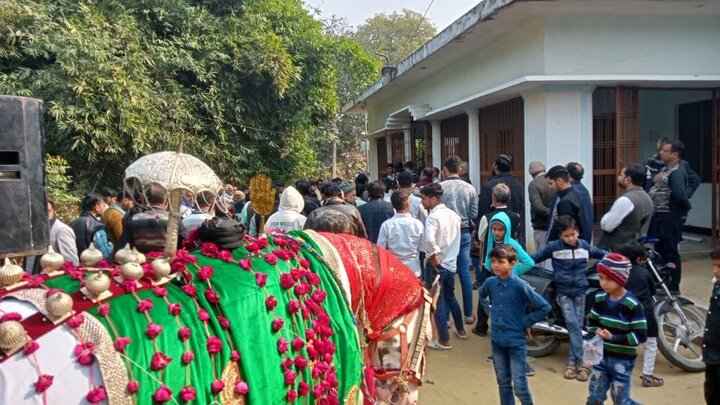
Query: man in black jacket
<point>568,201</point>
<point>501,174</point>
<point>671,205</point>
<point>88,227</point>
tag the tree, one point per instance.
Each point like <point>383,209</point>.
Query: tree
<point>395,35</point>
<point>246,83</point>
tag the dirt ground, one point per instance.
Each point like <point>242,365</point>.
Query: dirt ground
<point>463,376</point>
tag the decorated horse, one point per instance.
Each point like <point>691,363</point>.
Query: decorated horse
<point>303,317</point>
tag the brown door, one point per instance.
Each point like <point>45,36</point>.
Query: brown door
<point>454,137</point>
<point>616,140</point>
<point>381,156</point>
<point>502,129</point>
<point>715,187</point>
<point>398,147</point>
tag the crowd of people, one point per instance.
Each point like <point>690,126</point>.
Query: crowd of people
<point>436,223</point>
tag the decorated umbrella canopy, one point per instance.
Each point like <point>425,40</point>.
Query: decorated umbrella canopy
<point>176,172</point>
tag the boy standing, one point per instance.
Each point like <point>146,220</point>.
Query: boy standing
<point>442,246</point>
<point>619,319</point>
<point>511,296</point>
<point>570,257</point>
<point>711,339</point>
<point>402,234</point>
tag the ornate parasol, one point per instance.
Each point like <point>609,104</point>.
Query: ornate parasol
<point>175,171</point>
<point>263,198</point>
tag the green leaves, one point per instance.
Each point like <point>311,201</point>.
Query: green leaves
<point>246,83</point>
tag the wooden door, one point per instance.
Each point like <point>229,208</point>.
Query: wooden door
<point>454,137</point>
<point>616,139</point>
<point>502,130</point>
<point>381,156</point>
<point>398,147</point>
<point>715,178</point>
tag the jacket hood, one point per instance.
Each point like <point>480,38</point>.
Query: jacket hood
<point>291,200</point>
<point>505,220</point>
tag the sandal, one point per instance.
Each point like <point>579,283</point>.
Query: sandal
<point>583,373</point>
<point>570,373</point>
<point>651,381</point>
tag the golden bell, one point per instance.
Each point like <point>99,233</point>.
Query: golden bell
<point>51,260</point>
<point>121,256</point>
<point>90,256</point>
<point>161,268</point>
<point>132,271</point>
<point>58,304</point>
<point>10,273</point>
<point>97,283</point>
<point>12,334</point>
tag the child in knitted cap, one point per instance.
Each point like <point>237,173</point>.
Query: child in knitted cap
<point>619,319</point>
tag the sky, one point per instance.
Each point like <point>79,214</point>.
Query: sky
<point>442,12</point>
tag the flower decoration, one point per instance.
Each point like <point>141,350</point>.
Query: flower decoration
<point>205,273</point>
<point>153,330</point>
<point>214,345</point>
<point>217,386</point>
<point>31,348</point>
<point>184,333</point>
<point>188,394</point>
<point>241,388</point>
<point>188,357</point>
<point>132,387</point>
<point>103,310</point>
<point>144,305</point>
<point>84,353</point>
<point>121,343</point>
<point>43,382</point>
<point>162,395</point>
<point>96,395</point>
<point>209,249</point>
<point>261,279</point>
<point>159,361</point>
<point>76,321</point>
<point>270,303</point>
<point>174,309</point>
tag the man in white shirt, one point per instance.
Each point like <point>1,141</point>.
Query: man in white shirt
<point>402,234</point>
<point>405,184</point>
<point>442,246</point>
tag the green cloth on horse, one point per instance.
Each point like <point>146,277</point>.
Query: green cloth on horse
<point>242,302</point>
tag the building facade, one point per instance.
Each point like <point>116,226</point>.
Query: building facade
<point>596,82</point>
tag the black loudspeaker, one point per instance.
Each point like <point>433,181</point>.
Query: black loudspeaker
<point>23,207</point>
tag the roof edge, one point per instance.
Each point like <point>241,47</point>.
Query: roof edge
<point>481,12</point>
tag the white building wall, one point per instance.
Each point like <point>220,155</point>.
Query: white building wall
<point>558,130</point>
<point>632,45</point>
<point>517,54</point>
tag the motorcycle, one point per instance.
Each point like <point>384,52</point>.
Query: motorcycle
<point>681,323</point>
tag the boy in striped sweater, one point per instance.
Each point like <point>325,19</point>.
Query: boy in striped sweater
<point>619,319</point>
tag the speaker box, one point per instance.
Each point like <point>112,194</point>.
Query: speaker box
<point>23,207</point>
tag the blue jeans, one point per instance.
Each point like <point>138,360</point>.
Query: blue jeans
<point>475,260</point>
<point>463,270</point>
<point>612,373</point>
<point>447,304</point>
<point>510,367</point>
<point>573,309</point>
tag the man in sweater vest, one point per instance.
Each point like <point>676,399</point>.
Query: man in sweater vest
<point>630,214</point>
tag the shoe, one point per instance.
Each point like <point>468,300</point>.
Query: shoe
<point>436,345</point>
<point>479,332</point>
<point>461,334</point>
<point>651,381</point>
<point>489,358</point>
<point>469,320</point>
<point>529,371</point>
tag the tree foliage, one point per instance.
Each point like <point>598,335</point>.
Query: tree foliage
<point>395,35</point>
<point>251,85</point>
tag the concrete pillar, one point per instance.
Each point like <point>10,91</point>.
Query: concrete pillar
<point>436,145</point>
<point>388,147</point>
<point>474,147</point>
<point>558,130</point>
<point>373,158</point>
<point>407,142</point>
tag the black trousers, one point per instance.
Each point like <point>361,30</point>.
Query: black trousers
<point>482,317</point>
<point>669,230</point>
<point>712,384</point>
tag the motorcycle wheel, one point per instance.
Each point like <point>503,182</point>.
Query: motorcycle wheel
<point>542,345</point>
<point>682,349</point>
